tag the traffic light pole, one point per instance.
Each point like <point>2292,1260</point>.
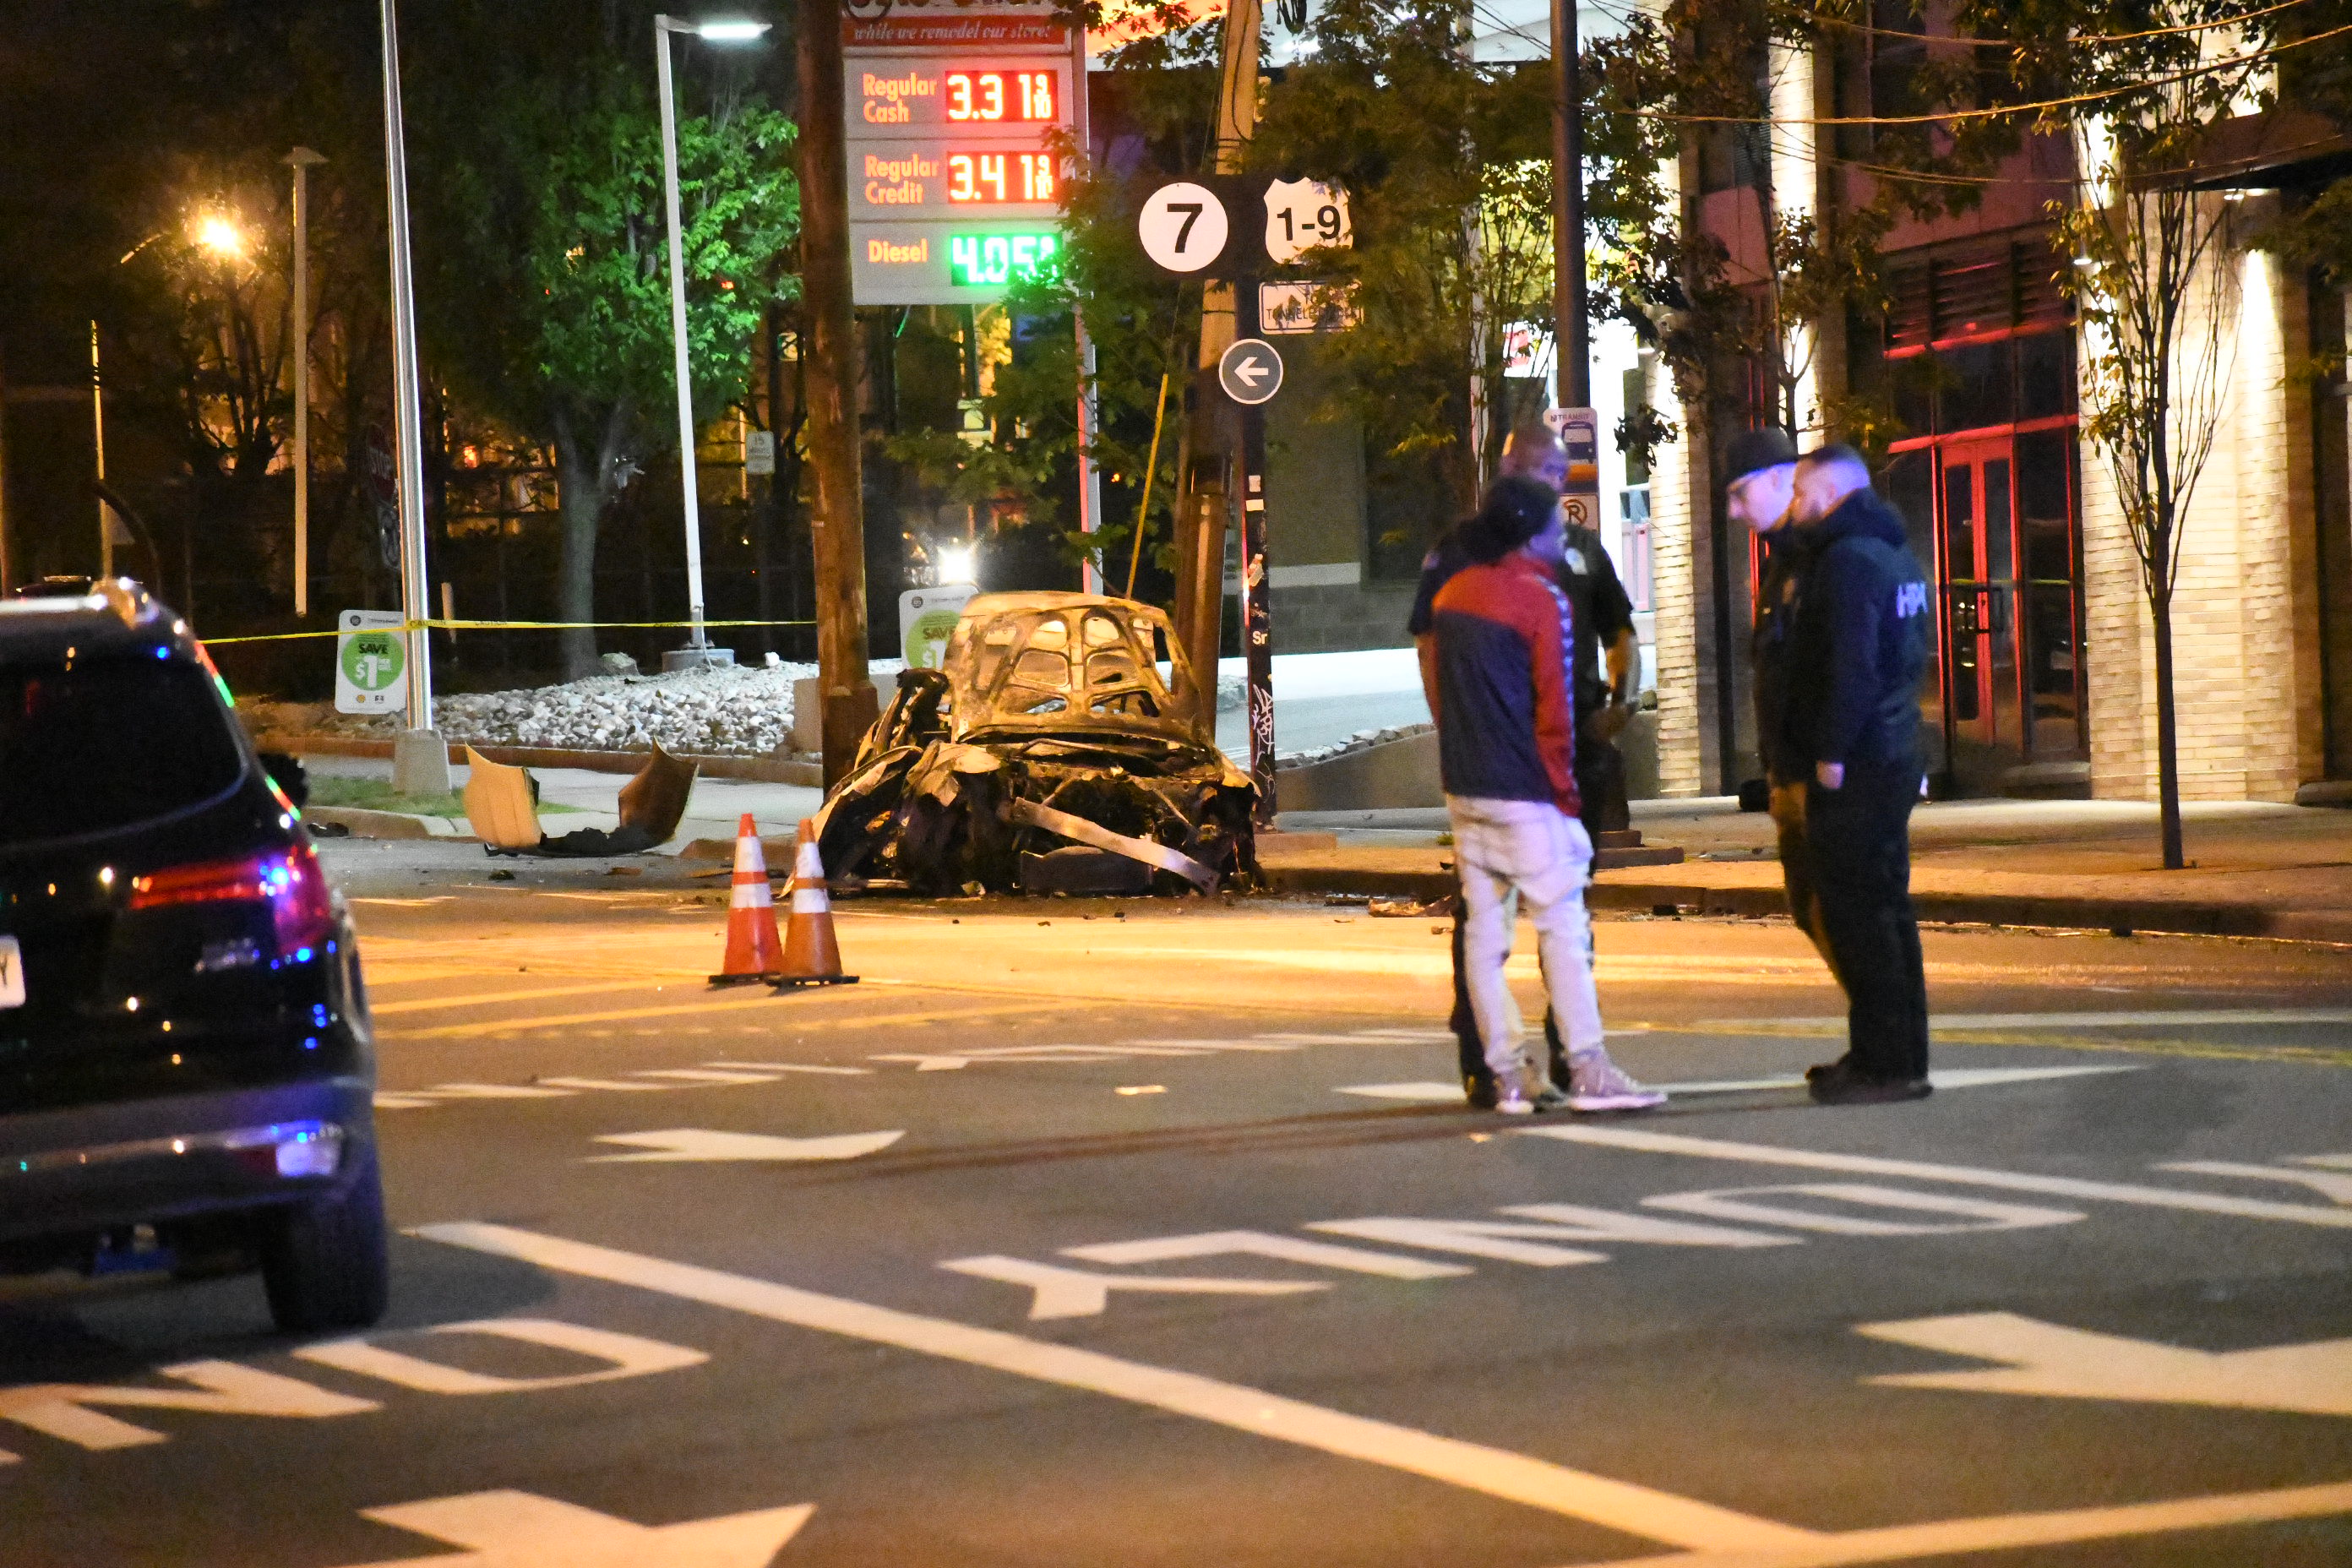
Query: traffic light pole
<point>837,529</point>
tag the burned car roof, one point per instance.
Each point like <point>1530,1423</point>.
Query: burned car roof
<point>1072,664</point>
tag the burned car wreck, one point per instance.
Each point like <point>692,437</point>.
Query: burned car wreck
<point>1065,747</point>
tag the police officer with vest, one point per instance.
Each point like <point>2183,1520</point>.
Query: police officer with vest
<point>1856,649</point>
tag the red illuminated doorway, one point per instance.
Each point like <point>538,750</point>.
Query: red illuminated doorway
<point>2007,694</point>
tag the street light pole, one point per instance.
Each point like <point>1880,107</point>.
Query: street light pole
<point>1571,340</point>
<point>697,653</point>
<point>304,161</point>
<point>420,762</point>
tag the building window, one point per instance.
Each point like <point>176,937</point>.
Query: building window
<point>1633,518</point>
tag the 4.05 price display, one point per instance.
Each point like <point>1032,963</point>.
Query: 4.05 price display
<point>1001,177</point>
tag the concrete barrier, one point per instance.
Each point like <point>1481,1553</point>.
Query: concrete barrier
<point>1392,773</point>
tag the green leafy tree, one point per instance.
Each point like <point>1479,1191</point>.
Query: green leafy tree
<point>547,250</point>
<point>2152,281</point>
<point>1703,71</point>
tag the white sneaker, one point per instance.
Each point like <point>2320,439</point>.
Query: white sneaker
<point>1596,1083</point>
<point>1512,1101</point>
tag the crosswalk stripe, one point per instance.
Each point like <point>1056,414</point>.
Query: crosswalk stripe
<point>1517,1478</point>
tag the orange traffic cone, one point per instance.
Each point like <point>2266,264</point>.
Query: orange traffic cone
<point>811,956</point>
<point>753,949</point>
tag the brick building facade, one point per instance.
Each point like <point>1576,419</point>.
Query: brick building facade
<point>2043,680</point>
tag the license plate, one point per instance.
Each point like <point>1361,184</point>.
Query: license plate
<point>12,972</point>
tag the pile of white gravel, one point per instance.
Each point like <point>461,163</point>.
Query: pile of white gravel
<point>742,711</point>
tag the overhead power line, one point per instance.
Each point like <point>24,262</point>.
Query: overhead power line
<point>2080,40</point>
<point>2232,63</point>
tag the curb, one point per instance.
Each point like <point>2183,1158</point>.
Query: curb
<point>2057,912</point>
<point>757,770</point>
<point>365,824</point>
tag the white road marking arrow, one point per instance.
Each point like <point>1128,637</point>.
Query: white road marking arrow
<point>682,1143</point>
<point>520,1530</point>
<point>2074,1364</point>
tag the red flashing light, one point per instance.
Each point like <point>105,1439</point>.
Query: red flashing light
<point>290,883</point>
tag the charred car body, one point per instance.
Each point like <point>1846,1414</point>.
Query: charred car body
<point>1065,746</point>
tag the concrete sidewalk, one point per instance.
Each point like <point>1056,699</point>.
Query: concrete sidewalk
<point>2254,869</point>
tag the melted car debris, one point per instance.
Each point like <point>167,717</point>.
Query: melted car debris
<point>1065,747</point>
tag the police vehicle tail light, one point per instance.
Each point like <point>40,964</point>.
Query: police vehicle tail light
<point>291,1147</point>
<point>289,881</point>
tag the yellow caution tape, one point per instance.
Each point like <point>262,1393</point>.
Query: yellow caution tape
<point>492,626</point>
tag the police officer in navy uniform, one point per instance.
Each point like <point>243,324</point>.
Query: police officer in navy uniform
<point>1604,632</point>
<point>1857,649</point>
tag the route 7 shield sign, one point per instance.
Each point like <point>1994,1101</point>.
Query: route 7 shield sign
<point>370,662</point>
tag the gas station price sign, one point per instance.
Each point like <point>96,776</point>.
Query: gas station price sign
<point>925,95</point>
<point>955,187</point>
<point>931,179</point>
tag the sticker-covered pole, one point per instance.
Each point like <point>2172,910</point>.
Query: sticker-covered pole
<point>1257,621</point>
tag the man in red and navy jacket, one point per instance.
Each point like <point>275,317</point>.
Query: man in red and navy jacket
<point>1504,700</point>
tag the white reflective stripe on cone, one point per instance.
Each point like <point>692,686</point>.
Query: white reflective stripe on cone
<point>811,901</point>
<point>752,895</point>
<point>748,858</point>
<point>805,863</point>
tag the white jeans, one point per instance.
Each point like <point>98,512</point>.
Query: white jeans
<point>1530,854</point>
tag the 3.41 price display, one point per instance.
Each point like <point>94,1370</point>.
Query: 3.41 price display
<point>985,177</point>
<point>985,96</point>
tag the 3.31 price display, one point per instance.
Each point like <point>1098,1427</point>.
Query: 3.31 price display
<point>986,97</point>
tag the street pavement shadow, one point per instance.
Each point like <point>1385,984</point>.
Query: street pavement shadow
<point>59,1329</point>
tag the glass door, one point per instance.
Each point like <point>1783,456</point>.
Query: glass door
<point>1977,563</point>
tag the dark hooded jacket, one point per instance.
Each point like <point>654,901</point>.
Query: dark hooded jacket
<point>1788,551</point>
<point>1859,645</point>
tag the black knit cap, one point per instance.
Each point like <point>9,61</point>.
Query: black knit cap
<point>1516,509</point>
<point>1753,449</point>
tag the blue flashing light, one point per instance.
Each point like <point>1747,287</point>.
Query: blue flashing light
<point>310,1042</point>
<point>302,955</point>
<point>162,653</point>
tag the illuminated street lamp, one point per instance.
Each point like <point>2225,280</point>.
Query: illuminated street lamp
<point>221,236</point>
<point>697,653</point>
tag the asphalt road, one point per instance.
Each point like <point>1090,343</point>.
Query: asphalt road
<point>1081,1235</point>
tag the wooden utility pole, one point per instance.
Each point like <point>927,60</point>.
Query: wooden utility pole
<point>1210,428</point>
<point>829,353</point>
<point>1572,341</point>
